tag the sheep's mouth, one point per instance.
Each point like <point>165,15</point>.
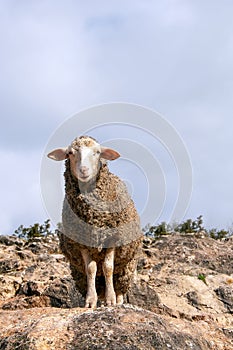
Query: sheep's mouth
<point>84,177</point>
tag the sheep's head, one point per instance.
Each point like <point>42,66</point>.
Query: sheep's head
<point>84,154</point>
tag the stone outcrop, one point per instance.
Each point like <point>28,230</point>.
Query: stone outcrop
<point>182,298</point>
<point>35,274</point>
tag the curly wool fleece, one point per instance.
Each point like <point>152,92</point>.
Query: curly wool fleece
<point>100,218</point>
<point>105,216</point>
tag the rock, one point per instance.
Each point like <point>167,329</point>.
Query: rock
<point>193,299</point>
<point>11,240</point>
<point>9,286</point>
<point>38,277</point>
<point>29,288</point>
<point>132,328</point>
<point>126,327</point>
<point>225,294</point>
<point>63,293</point>
<point>170,306</point>
<point>141,294</point>
<point>26,303</point>
<point>8,265</point>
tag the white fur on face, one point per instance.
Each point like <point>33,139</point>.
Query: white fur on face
<point>85,162</point>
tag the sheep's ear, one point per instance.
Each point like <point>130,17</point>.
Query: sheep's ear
<point>58,154</point>
<point>109,154</point>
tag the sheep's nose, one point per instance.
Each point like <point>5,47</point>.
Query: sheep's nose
<point>83,169</point>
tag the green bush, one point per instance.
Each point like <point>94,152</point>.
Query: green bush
<point>158,230</point>
<point>218,234</point>
<point>190,226</point>
<point>186,227</point>
<point>155,231</point>
<point>36,230</point>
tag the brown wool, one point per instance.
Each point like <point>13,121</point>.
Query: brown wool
<point>100,218</point>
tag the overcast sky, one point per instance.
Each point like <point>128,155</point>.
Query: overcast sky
<point>60,57</point>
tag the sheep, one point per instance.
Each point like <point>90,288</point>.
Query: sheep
<point>101,234</point>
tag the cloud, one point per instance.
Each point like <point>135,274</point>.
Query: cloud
<point>20,190</point>
<point>173,56</point>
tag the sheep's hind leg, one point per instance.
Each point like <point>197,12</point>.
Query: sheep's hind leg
<point>91,268</point>
<point>108,267</point>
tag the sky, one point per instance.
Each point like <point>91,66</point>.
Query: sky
<point>173,57</point>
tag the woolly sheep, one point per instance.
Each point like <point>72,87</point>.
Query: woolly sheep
<point>101,233</point>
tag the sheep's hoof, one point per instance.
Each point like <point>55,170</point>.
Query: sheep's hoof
<point>119,299</point>
<point>91,301</point>
<point>110,299</point>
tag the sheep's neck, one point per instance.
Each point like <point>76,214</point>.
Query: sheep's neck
<point>86,187</point>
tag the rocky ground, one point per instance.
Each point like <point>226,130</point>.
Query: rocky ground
<point>182,298</point>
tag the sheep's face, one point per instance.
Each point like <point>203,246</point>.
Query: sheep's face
<point>84,154</point>
<point>85,162</point>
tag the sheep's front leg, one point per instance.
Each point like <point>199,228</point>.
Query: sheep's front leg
<point>108,267</point>
<point>91,268</point>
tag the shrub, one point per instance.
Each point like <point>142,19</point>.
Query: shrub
<point>190,226</point>
<point>36,230</point>
<point>158,230</point>
<point>186,227</point>
<point>214,233</point>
